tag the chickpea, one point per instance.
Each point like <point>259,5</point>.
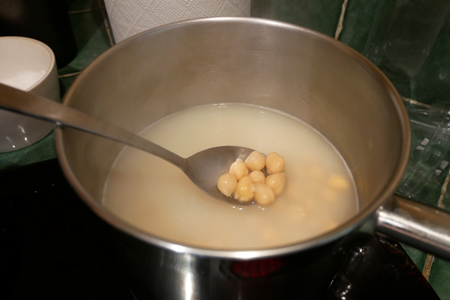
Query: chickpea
<point>276,182</point>
<point>238,169</point>
<point>257,177</point>
<point>255,161</point>
<point>274,163</point>
<point>338,182</point>
<point>264,195</point>
<point>246,181</point>
<point>244,189</point>
<point>227,184</point>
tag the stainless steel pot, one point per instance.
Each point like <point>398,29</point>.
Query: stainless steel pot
<point>290,68</point>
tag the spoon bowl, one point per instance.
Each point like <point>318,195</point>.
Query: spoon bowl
<point>203,168</point>
<point>218,161</point>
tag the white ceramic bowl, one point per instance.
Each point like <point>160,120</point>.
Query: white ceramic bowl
<point>29,65</point>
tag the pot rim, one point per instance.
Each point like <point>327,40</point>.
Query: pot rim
<point>337,233</point>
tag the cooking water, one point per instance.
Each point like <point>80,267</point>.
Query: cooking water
<point>158,198</point>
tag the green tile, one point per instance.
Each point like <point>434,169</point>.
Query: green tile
<point>433,84</point>
<point>40,151</point>
<point>417,256</point>
<point>320,15</point>
<point>429,161</point>
<point>261,8</point>
<point>446,200</point>
<point>66,82</point>
<point>75,5</point>
<point>403,39</point>
<point>440,278</point>
<point>91,38</point>
<point>358,20</point>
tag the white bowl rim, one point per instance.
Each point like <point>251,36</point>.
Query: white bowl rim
<point>44,47</point>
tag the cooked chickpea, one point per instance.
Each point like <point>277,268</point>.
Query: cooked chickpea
<point>338,182</point>
<point>244,189</point>
<point>238,169</point>
<point>274,163</point>
<point>276,182</point>
<point>255,161</point>
<point>257,177</point>
<point>264,195</point>
<point>246,181</point>
<point>227,184</point>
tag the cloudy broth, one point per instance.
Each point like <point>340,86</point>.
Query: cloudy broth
<point>158,198</point>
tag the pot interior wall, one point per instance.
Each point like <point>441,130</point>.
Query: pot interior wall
<point>288,68</point>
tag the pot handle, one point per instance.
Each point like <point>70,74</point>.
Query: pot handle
<point>416,224</point>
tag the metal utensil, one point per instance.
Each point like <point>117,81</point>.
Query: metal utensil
<point>203,168</point>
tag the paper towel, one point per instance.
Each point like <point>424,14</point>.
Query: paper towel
<point>133,16</point>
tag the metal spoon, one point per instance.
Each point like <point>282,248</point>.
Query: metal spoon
<point>203,168</point>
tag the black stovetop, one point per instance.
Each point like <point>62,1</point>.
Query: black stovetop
<point>53,247</point>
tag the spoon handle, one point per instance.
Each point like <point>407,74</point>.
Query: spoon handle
<point>38,107</point>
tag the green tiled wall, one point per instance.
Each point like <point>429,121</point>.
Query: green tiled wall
<point>89,24</point>
<point>440,277</point>
<point>321,15</point>
<point>372,27</point>
<point>362,25</point>
<point>357,23</point>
